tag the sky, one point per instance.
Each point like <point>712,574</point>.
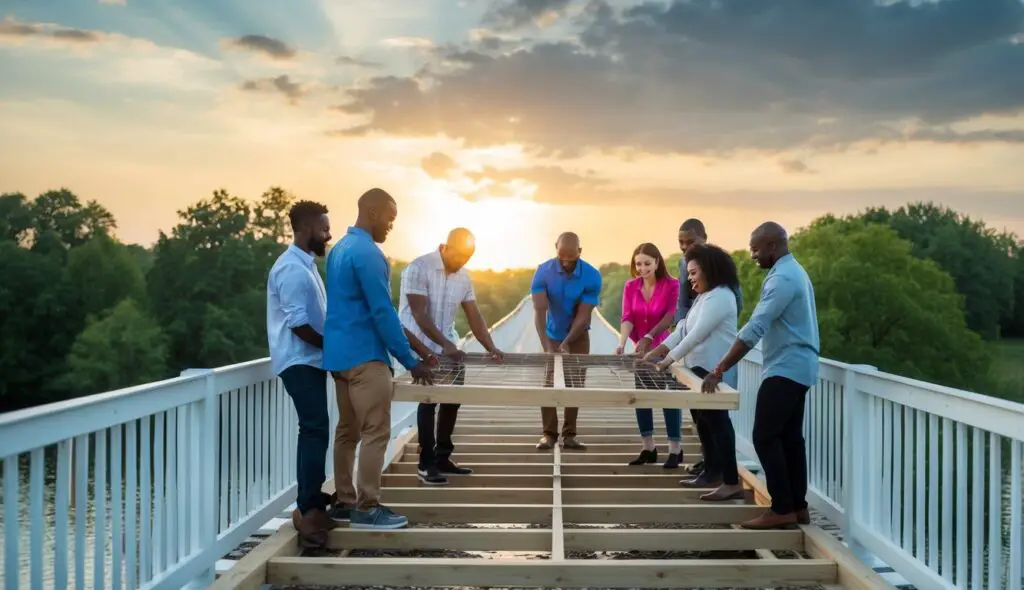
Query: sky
<point>520,119</point>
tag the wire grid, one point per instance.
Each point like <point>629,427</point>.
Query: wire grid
<point>584,371</point>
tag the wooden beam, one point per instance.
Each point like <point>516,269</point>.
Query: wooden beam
<point>641,573</point>
<point>593,448</point>
<point>531,456</point>
<point>499,466</point>
<point>250,572</point>
<point>447,539</point>
<point>660,513</point>
<point>484,468</point>
<point>404,480</point>
<point>635,496</point>
<point>680,540</point>
<point>559,372</point>
<point>570,397</point>
<point>690,379</point>
<point>668,477</point>
<point>533,429</point>
<point>531,437</point>
<point>608,454</point>
<point>557,528</point>
<point>475,513</point>
<point>446,494</point>
<point>641,480</point>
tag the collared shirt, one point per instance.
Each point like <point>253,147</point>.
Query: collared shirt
<point>566,291</point>
<point>683,307</point>
<point>295,297</point>
<point>707,332</point>
<point>645,314</point>
<point>786,318</point>
<point>362,324</point>
<point>427,276</point>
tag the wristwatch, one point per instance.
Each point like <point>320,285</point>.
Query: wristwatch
<point>648,337</point>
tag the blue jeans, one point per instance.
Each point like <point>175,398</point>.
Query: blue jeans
<point>648,379</point>
<point>307,386</point>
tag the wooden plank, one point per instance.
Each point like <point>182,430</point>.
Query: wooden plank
<point>557,528</point>
<point>475,513</point>
<point>644,573</point>
<point>660,513</point>
<point>403,480</point>
<point>456,495</point>
<point>531,438</point>
<point>586,428</point>
<point>645,480</point>
<point>670,477</point>
<point>636,496</point>
<point>559,372</point>
<point>604,455</point>
<point>250,572</point>
<point>593,448</point>
<point>447,539</point>
<point>569,397</point>
<point>485,468</point>
<point>681,540</point>
<point>532,456</point>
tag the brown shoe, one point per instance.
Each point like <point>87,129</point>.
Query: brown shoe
<point>313,527</point>
<point>571,442</point>
<point>546,443</point>
<point>771,520</point>
<point>723,493</point>
<point>803,516</point>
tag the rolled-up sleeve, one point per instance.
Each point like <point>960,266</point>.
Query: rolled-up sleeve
<point>293,289</point>
<point>627,303</point>
<point>372,274</point>
<point>776,294</point>
<point>414,280</point>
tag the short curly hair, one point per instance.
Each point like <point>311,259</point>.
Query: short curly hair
<point>715,264</point>
<point>304,211</point>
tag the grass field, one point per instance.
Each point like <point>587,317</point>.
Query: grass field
<point>1006,376</point>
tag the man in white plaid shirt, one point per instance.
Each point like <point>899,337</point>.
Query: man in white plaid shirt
<point>433,287</point>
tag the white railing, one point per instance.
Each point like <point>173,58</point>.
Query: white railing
<point>927,478</point>
<point>149,486</point>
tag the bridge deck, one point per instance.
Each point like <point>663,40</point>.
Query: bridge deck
<point>555,519</point>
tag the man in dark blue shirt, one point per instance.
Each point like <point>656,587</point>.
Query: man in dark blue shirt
<point>361,333</point>
<point>565,292</point>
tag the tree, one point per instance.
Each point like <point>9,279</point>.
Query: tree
<point>61,212</point>
<point>879,304</point>
<point>122,348</point>
<point>16,218</point>
<point>104,273</point>
<point>979,259</point>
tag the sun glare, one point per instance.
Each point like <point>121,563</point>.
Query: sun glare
<point>507,231</point>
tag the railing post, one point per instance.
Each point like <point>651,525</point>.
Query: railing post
<point>853,458</point>
<point>205,537</point>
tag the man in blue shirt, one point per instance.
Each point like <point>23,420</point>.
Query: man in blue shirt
<point>361,333</point>
<point>565,292</point>
<point>786,318</point>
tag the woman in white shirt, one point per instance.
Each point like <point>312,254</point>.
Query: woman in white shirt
<point>701,339</point>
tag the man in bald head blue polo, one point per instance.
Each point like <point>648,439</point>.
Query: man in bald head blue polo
<point>565,291</point>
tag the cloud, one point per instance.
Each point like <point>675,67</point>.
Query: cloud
<point>438,165</point>
<point>282,84</point>
<point>268,46</point>
<point>346,60</point>
<point>15,31</point>
<point>409,42</point>
<point>795,167</point>
<point>115,2</point>
<point>512,14</point>
<point>717,77</point>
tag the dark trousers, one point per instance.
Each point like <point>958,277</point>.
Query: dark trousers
<point>779,442</point>
<point>307,386</point>
<point>435,439</point>
<point>718,439</point>
<point>574,377</point>
<point>649,379</point>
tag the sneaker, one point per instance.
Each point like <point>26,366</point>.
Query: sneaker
<point>431,476</point>
<point>449,467</point>
<point>378,517</point>
<point>339,513</point>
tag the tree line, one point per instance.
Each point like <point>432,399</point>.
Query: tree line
<point>913,291</point>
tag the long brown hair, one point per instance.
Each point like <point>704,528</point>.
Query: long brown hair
<point>650,250</point>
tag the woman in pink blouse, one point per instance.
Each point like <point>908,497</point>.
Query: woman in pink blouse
<point>648,308</point>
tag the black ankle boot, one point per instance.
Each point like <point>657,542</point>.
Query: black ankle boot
<point>673,461</point>
<point>645,458</point>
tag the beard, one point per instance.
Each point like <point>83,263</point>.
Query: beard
<point>318,247</point>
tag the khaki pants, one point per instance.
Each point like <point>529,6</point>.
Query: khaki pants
<point>364,396</point>
<point>574,377</point>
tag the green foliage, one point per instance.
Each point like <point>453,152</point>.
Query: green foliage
<point>122,348</point>
<point>104,273</point>
<point>1007,373</point>
<point>979,259</point>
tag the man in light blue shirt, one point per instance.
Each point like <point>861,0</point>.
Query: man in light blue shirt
<point>786,320</point>
<point>362,332</point>
<point>296,302</point>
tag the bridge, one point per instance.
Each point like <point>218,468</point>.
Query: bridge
<point>188,482</point>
